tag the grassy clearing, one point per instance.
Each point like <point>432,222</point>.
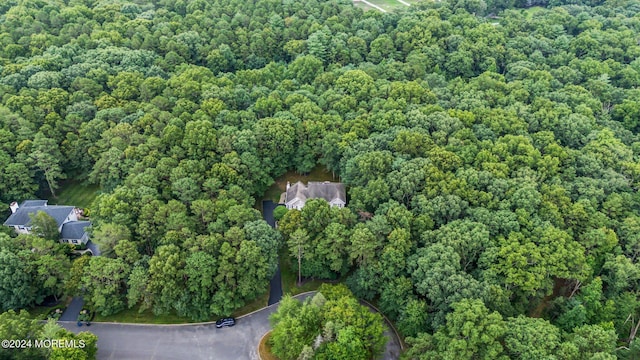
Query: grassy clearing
<point>264,349</point>
<point>318,173</point>
<point>148,317</point>
<point>76,194</point>
<point>364,6</point>
<point>257,304</point>
<point>530,12</point>
<point>389,5</point>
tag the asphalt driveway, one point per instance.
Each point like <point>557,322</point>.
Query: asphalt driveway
<point>73,310</point>
<point>198,342</point>
<point>275,286</point>
<point>267,212</point>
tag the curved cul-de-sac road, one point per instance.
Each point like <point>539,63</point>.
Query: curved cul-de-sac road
<point>191,341</point>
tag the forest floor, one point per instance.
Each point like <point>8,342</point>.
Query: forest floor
<point>560,288</point>
<point>75,194</point>
<point>318,173</point>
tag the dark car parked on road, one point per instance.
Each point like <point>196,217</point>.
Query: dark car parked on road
<point>225,322</point>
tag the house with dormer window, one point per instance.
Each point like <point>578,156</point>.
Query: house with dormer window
<point>297,194</point>
<point>71,230</point>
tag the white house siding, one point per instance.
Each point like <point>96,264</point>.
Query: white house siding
<point>70,218</point>
<point>295,204</point>
<point>83,240</point>
<point>24,230</point>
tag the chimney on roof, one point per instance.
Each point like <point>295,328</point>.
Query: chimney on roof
<point>288,185</point>
<point>14,207</point>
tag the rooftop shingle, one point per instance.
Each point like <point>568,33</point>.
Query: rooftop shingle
<point>317,190</point>
<point>74,230</point>
<point>21,216</point>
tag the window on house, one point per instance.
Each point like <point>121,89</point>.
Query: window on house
<point>75,241</point>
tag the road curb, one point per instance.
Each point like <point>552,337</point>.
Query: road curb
<point>260,342</point>
<point>268,306</point>
<point>388,323</point>
<point>186,324</point>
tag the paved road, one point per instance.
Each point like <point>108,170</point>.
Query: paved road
<point>197,342</point>
<point>193,342</point>
<point>275,287</point>
<point>73,310</point>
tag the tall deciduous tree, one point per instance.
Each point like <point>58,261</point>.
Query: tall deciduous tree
<point>46,157</point>
<point>108,235</point>
<point>104,281</point>
<point>17,288</point>
<point>44,226</point>
<point>471,332</point>
<point>16,326</point>
<point>166,278</point>
<point>298,244</point>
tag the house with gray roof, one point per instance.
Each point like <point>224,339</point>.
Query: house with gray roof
<point>71,230</point>
<point>75,232</point>
<point>297,194</point>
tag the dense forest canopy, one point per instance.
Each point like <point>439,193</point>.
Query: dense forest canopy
<point>329,325</point>
<point>491,161</point>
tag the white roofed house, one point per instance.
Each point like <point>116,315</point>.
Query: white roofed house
<point>297,194</point>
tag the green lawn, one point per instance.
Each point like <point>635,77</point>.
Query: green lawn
<point>76,194</point>
<point>364,6</point>
<point>40,312</point>
<point>389,5</point>
<point>148,317</point>
<point>257,304</point>
<point>530,12</point>
<point>318,173</point>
